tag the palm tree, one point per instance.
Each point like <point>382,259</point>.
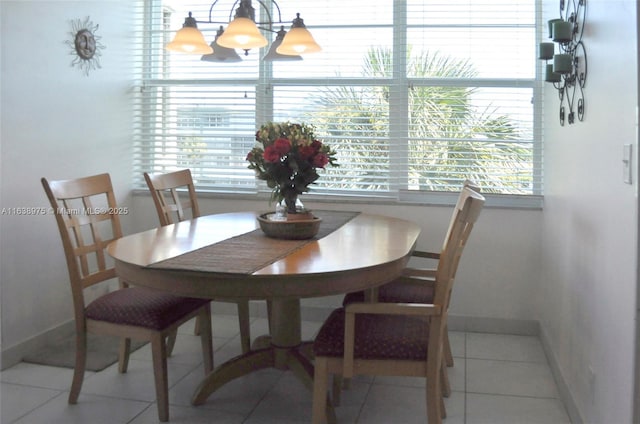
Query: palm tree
<point>449,138</point>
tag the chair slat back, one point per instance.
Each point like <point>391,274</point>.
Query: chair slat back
<point>467,184</point>
<point>88,220</point>
<point>466,213</point>
<point>165,191</point>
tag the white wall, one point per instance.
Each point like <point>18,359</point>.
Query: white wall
<point>55,123</point>
<point>587,293</point>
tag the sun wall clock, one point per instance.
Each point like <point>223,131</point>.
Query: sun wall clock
<point>85,44</point>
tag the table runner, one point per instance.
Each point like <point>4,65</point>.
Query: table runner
<point>249,252</point>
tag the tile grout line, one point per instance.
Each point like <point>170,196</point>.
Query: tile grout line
<point>366,396</point>
<point>263,397</point>
<point>39,406</point>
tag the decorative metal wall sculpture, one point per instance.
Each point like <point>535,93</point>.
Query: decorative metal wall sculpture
<point>85,45</point>
<point>568,69</point>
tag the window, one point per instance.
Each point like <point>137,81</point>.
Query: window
<point>415,95</point>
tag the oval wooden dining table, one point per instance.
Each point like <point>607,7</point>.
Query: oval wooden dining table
<point>227,256</point>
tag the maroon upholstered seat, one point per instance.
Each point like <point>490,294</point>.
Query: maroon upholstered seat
<point>376,337</point>
<point>142,307</point>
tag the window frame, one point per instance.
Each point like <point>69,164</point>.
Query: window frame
<point>399,88</point>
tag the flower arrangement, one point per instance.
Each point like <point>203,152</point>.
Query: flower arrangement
<point>287,156</point>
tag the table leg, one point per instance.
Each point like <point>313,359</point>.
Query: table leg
<point>306,348</point>
<point>232,369</point>
<point>302,368</point>
<point>285,352</point>
<point>261,342</point>
<point>281,354</point>
<point>285,326</point>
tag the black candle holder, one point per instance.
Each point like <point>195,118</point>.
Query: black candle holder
<point>568,70</point>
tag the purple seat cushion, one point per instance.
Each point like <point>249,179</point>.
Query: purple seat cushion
<point>376,336</point>
<point>142,307</point>
<point>396,292</point>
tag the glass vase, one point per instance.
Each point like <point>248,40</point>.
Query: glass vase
<point>292,210</point>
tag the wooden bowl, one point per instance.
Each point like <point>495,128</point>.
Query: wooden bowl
<point>298,229</point>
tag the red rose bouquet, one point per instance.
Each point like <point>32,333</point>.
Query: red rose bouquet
<point>287,156</point>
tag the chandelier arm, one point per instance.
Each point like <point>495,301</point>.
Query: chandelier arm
<point>266,9</point>
<point>233,6</point>
<point>211,10</point>
<point>279,13</point>
<point>270,17</point>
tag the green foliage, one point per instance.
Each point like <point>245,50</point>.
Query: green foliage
<point>450,140</point>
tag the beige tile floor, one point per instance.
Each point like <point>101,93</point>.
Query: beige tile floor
<point>496,379</point>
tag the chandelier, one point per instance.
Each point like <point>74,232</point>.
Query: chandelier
<point>243,32</point>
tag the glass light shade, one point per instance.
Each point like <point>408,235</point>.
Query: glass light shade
<point>273,55</point>
<point>221,54</point>
<point>189,40</point>
<point>298,41</point>
<point>242,33</point>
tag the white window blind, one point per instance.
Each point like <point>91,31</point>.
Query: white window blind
<point>414,95</point>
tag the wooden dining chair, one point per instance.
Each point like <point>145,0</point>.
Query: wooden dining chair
<point>416,284</point>
<point>174,197</point>
<point>400,339</point>
<point>88,220</point>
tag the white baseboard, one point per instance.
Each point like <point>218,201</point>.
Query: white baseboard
<point>565,394</point>
<point>470,324</point>
<point>11,356</point>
